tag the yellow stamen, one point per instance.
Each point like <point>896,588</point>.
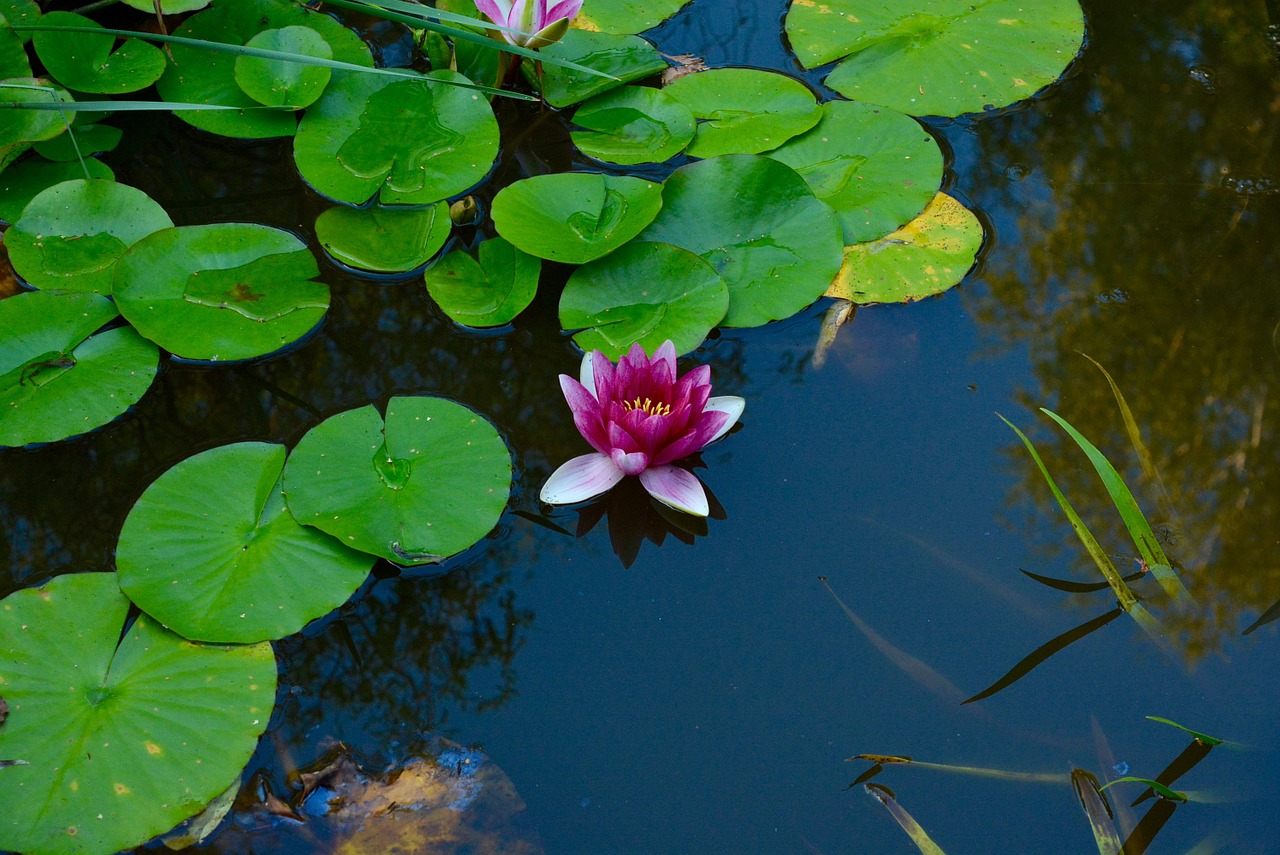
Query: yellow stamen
<point>653,408</point>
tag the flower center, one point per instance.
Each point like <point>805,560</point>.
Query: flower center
<point>653,408</point>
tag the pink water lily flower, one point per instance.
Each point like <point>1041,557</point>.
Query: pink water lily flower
<point>538,25</point>
<point>640,418</point>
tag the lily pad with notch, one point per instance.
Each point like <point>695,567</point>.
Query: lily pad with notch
<point>625,58</point>
<point>197,76</point>
<point>223,291</point>
<point>21,128</point>
<point>407,142</point>
<point>24,180</point>
<point>71,235</point>
<point>488,290</point>
<point>80,142</point>
<point>58,379</point>
<point>876,167</point>
<point>938,57</point>
<point>647,293</point>
<point>89,62</point>
<point>426,483</point>
<point>575,217</point>
<point>384,240</point>
<point>927,256</point>
<point>744,110</point>
<point>774,243</point>
<point>633,124</point>
<point>125,730</point>
<point>211,552</point>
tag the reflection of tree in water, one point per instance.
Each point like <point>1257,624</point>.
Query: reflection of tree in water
<point>1136,234</point>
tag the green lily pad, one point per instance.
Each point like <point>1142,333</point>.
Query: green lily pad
<point>168,7</point>
<point>485,292</point>
<point>876,167</point>
<point>19,128</point>
<point>80,141</point>
<point>70,236</point>
<point>938,57</point>
<point>758,223</point>
<point>409,142</point>
<point>221,291</point>
<point>56,378</point>
<point>425,485</point>
<point>626,16</point>
<point>18,12</point>
<point>122,738</point>
<point>384,240</point>
<point>199,76</point>
<point>575,217</point>
<point>626,58</point>
<point>86,62</point>
<point>927,256</point>
<point>633,124</point>
<point>744,110</point>
<point>647,293</point>
<point>210,551</point>
<point>26,179</point>
<point>277,83</point>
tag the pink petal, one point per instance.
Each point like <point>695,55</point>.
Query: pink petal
<point>605,376</point>
<point>493,11</point>
<point>564,9</point>
<point>587,416</point>
<point>631,464</point>
<point>677,488</point>
<point>666,353</point>
<point>732,406</point>
<point>620,439</point>
<point>685,445</point>
<point>580,479</point>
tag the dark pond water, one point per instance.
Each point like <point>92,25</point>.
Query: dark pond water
<point>702,695</point>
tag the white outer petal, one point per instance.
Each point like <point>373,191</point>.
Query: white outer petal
<point>587,375</point>
<point>580,479</point>
<point>676,488</point>
<point>730,404</point>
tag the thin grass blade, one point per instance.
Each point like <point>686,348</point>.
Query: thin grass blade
<point>1265,618</point>
<point>1195,734</point>
<point>1071,586</point>
<point>1097,811</point>
<point>1134,520</point>
<point>1159,788</point>
<point>882,760</point>
<point>122,106</point>
<point>1181,765</point>
<point>885,796</point>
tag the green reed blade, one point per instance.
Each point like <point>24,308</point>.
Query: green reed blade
<point>1195,734</point>
<point>1134,520</point>
<point>1161,789</point>
<point>977,771</point>
<point>885,796</point>
<point>1097,811</point>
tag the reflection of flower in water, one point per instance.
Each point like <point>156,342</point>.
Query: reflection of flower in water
<point>632,517</point>
<point>641,418</point>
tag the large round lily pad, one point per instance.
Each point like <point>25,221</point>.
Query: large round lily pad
<point>56,379</point>
<point>774,243</point>
<point>927,256</point>
<point>71,235</point>
<point>744,110</point>
<point>624,58</point>
<point>575,217</point>
<point>210,551</point>
<point>384,240</point>
<point>222,291</point>
<point>938,57</point>
<point>87,62</point>
<point>425,484</point>
<point>876,167</point>
<point>199,76</point>
<point>409,142</point>
<point>278,83</point>
<point>121,738</point>
<point>633,124</point>
<point>647,293</point>
<point>488,290</point>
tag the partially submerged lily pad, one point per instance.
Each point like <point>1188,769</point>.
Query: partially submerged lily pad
<point>487,291</point>
<point>20,128</point>
<point>210,551</point>
<point>633,124</point>
<point>222,291</point>
<point>56,378</point>
<point>760,226</point>
<point>744,110</point>
<point>428,482</point>
<point>71,235</point>
<point>24,180</point>
<point>927,256</point>
<point>625,58</point>
<point>80,141</point>
<point>876,167</point>
<point>122,738</point>
<point>88,62</point>
<point>575,217</point>
<point>384,240</point>
<point>938,57</point>
<point>647,293</point>
<point>407,142</point>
